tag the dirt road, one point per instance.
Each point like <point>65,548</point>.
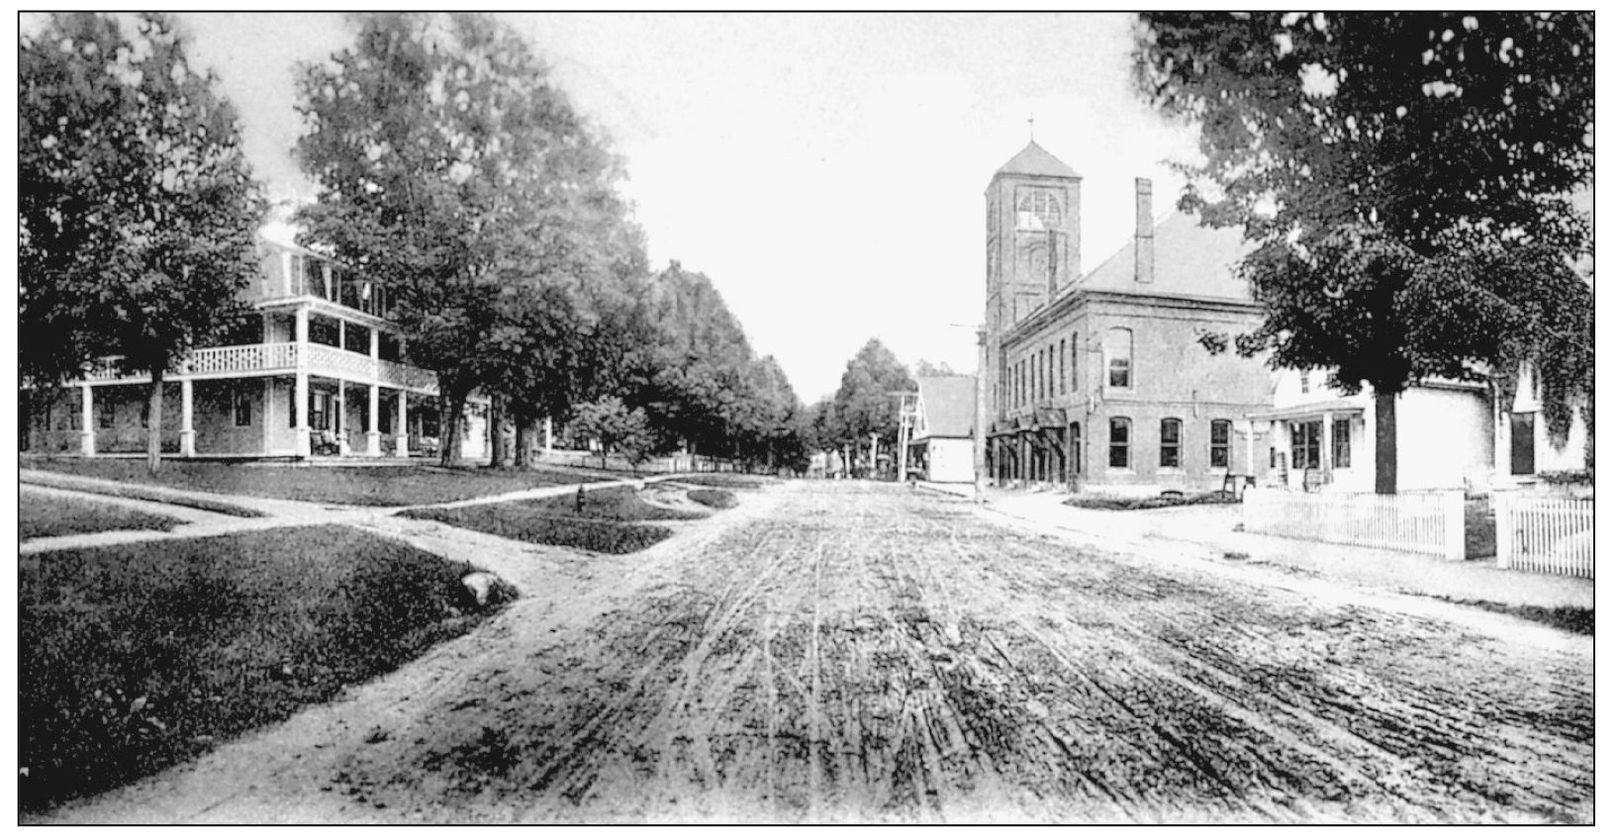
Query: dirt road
<point>840,652</point>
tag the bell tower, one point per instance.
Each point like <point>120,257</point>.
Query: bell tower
<point>1031,240</point>
<point>1031,235</point>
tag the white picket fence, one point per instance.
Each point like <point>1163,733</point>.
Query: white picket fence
<point>1428,522</point>
<point>1545,534</point>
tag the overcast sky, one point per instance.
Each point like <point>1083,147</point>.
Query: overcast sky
<point>826,171</point>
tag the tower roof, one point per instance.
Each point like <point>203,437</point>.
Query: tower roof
<point>1034,160</point>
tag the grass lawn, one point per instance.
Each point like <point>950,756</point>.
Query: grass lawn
<point>1575,620</point>
<point>527,521</point>
<point>139,656</point>
<point>600,521</point>
<point>1154,502</point>
<point>714,498</point>
<point>615,504</point>
<point>47,516</point>
<point>358,485</point>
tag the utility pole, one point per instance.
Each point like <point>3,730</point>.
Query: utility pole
<point>981,418</point>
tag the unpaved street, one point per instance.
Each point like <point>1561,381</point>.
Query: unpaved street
<point>843,651</point>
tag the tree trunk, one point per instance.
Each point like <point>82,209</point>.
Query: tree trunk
<point>154,424</point>
<point>1385,454</point>
<point>497,433</point>
<point>450,411</point>
<point>525,441</point>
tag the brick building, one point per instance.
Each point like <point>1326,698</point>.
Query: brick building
<point>1098,381</point>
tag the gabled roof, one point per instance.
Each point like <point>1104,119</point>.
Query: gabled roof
<point>948,403</point>
<point>1188,260</point>
<point>1034,160</point>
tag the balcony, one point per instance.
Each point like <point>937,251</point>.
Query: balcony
<point>288,358</point>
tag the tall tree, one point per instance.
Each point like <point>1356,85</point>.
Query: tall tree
<point>454,172</point>
<point>1406,180</point>
<point>866,401</point>
<point>137,208</point>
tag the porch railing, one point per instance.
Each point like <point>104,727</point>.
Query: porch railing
<point>1429,523</point>
<point>1545,534</point>
<point>259,358</point>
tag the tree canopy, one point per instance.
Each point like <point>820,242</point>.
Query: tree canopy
<point>865,402</point>
<point>137,208</point>
<point>1406,179</point>
<point>453,171</point>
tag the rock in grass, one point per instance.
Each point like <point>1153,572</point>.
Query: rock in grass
<point>479,585</point>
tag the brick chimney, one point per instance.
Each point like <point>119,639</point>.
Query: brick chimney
<point>1143,230</point>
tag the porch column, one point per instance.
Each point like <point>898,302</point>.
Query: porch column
<point>401,432</point>
<point>87,428</point>
<point>342,411</point>
<point>1249,429</point>
<point>1274,438</point>
<point>1326,448</point>
<point>300,410</point>
<point>550,439</point>
<point>373,415</point>
<point>375,345</point>
<point>300,325</point>
<point>188,432</point>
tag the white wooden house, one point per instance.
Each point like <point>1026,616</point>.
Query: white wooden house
<point>316,371</point>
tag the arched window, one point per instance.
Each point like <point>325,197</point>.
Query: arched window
<point>1118,442</point>
<point>1073,361</point>
<point>1120,354</point>
<point>1062,367</point>
<point>1169,443</point>
<point>1038,209</point>
<point>1219,444</point>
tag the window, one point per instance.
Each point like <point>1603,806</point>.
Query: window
<point>242,404</point>
<point>1340,443</point>
<point>1119,352</point>
<point>1306,437</point>
<point>1051,371</point>
<point>1219,444</point>
<point>1521,427</point>
<point>292,404</point>
<point>1118,443</point>
<point>1073,361</point>
<point>1169,443</point>
<point>1038,209</point>
<point>1062,367</point>
<point>1039,375</point>
<point>108,412</point>
<point>1304,382</point>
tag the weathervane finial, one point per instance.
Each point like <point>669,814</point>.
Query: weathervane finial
<point>1031,127</point>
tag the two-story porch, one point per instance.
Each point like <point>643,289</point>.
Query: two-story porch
<point>316,370</point>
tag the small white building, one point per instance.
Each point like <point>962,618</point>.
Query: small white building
<point>1448,434</point>
<point>1524,449</point>
<point>943,445</point>
<point>1322,439</point>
